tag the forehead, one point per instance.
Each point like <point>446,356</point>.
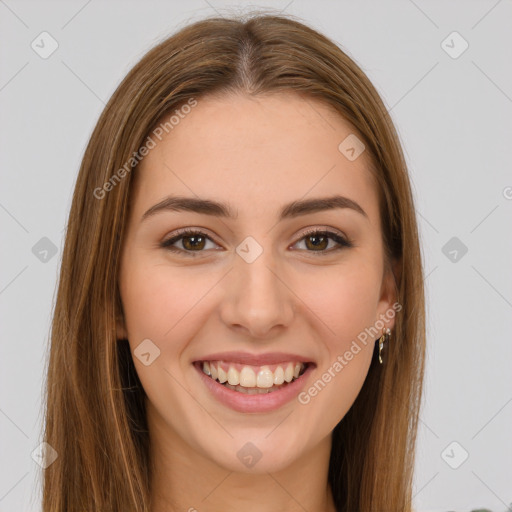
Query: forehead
<point>256,153</point>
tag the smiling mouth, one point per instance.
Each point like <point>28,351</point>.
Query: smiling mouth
<point>253,380</point>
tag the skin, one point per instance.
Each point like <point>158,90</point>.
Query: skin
<point>257,154</point>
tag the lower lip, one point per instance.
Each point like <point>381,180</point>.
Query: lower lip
<point>265,402</point>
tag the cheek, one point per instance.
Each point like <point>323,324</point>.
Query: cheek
<point>336,385</point>
<point>344,298</point>
<point>149,302</point>
<point>163,303</point>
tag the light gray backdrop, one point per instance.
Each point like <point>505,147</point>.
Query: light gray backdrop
<point>450,95</point>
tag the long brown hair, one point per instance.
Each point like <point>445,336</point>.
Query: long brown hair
<point>95,414</point>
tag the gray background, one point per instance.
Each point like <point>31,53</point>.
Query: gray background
<point>454,116</point>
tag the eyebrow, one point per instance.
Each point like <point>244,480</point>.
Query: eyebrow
<point>224,210</point>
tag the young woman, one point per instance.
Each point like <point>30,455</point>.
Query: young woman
<point>240,314</point>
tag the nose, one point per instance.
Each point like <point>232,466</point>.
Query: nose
<point>257,299</point>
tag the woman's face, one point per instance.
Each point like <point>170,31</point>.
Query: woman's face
<point>256,290</point>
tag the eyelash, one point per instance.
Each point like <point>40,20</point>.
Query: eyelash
<point>343,242</point>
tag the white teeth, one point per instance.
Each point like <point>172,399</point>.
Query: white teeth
<point>233,376</point>
<point>250,391</point>
<point>248,378</point>
<point>288,373</point>
<point>222,376</point>
<point>264,379</point>
<point>279,375</point>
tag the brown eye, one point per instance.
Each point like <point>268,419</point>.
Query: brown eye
<point>191,241</point>
<point>318,241</point>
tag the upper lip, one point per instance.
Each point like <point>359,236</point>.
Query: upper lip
<point>255,359</point>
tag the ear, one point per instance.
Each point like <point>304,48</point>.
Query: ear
<point>388,302</point>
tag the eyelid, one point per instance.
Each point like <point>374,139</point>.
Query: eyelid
<point>322,229</point>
